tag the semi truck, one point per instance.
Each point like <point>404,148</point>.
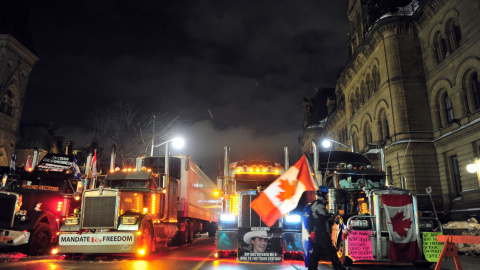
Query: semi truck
<point>138,210</point>
<point>355,194</point>
<point>34,204</point>
<point>243,181</point>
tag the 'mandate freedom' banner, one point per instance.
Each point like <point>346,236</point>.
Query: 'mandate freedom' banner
<point>97,239</point>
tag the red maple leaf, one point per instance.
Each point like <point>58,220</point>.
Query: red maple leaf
<point>400,224</point>
<point>288,190</point>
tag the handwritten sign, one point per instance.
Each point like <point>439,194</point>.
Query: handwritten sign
<point>360,245</point>
<point>431,247</point>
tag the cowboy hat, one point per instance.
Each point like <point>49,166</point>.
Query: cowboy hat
<point>252,234</point>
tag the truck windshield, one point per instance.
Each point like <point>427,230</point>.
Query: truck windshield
<point>360,181</point>
<point>252,181</point>
<point>128,184</point>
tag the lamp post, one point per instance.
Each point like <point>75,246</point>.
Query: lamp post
<point>177,143</point>
<point>327,143</point>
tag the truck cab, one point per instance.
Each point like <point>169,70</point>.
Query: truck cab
<point>35,203</point>
<point>356,199</point>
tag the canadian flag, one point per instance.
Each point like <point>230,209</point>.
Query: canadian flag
<point>283,194</point>
<point>401,227</point>
<point>94,165</point>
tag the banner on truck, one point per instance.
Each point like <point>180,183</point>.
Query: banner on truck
<point>260,244</point>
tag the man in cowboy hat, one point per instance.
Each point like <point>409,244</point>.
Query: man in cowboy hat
<point>258,240</point>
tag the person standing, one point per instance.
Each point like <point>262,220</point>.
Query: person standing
<point>321,225</point>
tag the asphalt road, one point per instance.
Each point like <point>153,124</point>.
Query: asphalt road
<point>198,255</point>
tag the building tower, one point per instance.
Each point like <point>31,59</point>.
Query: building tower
<point>16,63</point>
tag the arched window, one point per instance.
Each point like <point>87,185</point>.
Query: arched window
<point>439,47</point>
<point>6,106</point>
<point>369,85</point>
<point>365,93</point>
<point>375,79</point>
<point>448,109</point>
<point>383,128</point>
<point>453,35</point>
<point>475,90</point>
<point>355,141</point>
<point>359,98</point>
<point>352,103</point>
<point>367,134</point>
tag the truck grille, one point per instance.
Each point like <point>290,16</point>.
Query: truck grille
<point>7,211</point>
<point>248,217</point>
<point>100,211</point>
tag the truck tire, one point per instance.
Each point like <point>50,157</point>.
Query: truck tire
<point>181,237</point>
<point>190,232</point>
<point>40,239</point>
<point>341,254</point>
<point>147,238</point>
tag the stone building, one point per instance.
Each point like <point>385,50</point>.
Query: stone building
<point>411,87</point>
<point>16,63</point>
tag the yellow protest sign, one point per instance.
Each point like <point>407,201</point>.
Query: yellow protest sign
<point>431,247</point>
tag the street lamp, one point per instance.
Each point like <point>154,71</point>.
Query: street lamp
<point>472,167</point>
<point>327,143</point>
<point>177,143</point>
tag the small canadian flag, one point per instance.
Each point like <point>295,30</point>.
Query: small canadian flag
<point>28,165</point>
<point>283,194</point>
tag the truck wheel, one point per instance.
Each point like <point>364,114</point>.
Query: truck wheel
<point>190,232</point>
<point>341,254</point>
<point>147,238</point>
<point>181,237</point>
<point>40,239</point>
<point>212,229</point>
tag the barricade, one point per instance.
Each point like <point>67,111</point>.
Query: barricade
<point>450,250</point>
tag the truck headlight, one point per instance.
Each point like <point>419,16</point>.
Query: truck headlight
<point>129,220</point>
<point>359,223</point>
<point>293,219</point>
<point>227,217</point>
<point>71,221</point>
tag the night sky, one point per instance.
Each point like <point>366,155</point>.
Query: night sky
<point>249,63</point>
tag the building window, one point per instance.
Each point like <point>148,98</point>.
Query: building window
<point>453,35</point>
<point>448,109</point>
<point>384,130</point>
<point>369,85</point>
<point>355,141</point>
<point>439,47</point>
<point>358,98</point>
<point>352,103</point>
<point>375,79</point>
<point>455,173</point>
<point>475,90</point>
<point>6,106</point>
<point>368,137</point>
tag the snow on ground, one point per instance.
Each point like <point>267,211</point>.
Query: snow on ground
<point>469,227</point>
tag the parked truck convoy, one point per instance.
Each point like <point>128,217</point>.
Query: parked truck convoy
<point>355,198</point>
<point>243,182</point>
<point>35,203</point>
<point>138,210</point>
